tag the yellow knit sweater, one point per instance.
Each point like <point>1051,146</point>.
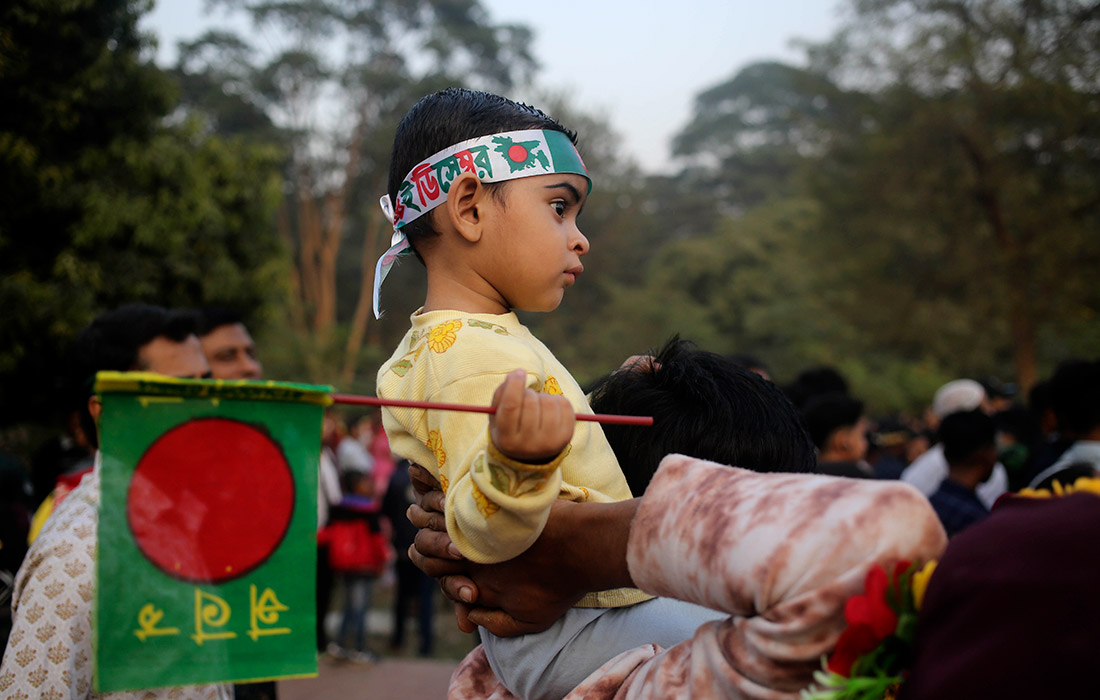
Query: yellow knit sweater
<point>496,507</point>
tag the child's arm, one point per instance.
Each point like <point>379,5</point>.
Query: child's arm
<point>499,496</point>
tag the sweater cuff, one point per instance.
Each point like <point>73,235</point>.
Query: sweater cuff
<point>498,457</point>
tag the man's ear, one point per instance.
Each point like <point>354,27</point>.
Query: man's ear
<point>465,204</point>
<point>840,440</point>
<point>95,408</point>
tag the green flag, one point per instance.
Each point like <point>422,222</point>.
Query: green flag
<point>207,531</point>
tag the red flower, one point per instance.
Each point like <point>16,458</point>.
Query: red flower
<point>870,620</point>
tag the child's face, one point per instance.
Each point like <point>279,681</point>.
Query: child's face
<point>534,246</point>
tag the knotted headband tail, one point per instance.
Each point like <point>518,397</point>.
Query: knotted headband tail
<point>493,158</point>
<point>399,245</point>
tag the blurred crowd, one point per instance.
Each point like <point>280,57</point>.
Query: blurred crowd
<point>362,484</point>
<point>977,440</point>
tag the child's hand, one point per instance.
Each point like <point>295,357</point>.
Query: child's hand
<point>529,426</point>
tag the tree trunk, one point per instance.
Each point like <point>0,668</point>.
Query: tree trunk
<point>1017,276</point>
<point>295,301</point>
<point>363,308</point>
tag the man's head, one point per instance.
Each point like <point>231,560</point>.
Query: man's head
<point>703,405</point>
<point>751,363</point>
<point>135,337</point>
<point>969,444</point>
<point>227,344</point>
<point>1075,399</point>
<point>444,119</point>
<point>816,381</point>
<point>837,427</point>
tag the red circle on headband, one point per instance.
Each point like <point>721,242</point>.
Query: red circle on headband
<point>210,500</point>
<point>517,153</point>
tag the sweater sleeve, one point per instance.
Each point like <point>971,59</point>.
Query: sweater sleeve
<point>496,506</point>
<point>780,552</point>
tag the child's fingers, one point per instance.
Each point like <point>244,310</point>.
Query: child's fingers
<point>565,418</point>
<point>557,416</point>
<point>508,399</point>
<point>531,420</point>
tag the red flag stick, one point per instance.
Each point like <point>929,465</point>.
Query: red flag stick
<point>373,401</point>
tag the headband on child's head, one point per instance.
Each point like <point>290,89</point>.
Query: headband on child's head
<point>494,158</point>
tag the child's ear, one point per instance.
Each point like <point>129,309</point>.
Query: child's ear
<point>464,203</point>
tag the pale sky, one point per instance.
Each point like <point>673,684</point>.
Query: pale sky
<point>637,63</point>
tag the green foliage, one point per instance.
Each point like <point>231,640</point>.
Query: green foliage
<point>972,183</point>
<point>950,154</point>
<point>104,203</point>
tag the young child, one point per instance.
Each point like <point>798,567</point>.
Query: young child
<point>486,192</point>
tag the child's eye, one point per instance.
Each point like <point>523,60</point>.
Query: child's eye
<point>559,208</point>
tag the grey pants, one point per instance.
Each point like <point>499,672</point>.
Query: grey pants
<point>546,666</point>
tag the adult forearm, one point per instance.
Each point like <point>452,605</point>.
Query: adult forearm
<point>589,542</point>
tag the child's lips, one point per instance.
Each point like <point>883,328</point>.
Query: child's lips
<point>575,272</point>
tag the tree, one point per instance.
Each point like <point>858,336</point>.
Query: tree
<point>951,150</point>
<point>984,152</point>
<point>751,136</point>
<point>344,73</point>
<point>105,203</point>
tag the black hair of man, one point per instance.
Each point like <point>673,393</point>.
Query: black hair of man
<point>444,118</point>
<point>211,318</point>
<point>824,414</point>
<point>996,389</point>
<point>1075,397</point>
<point>817,381</point>
<point>112,342</point>
<point>703,405</point>
<point>1038,399</point>
<point>1021,423</point>
<point>964,433</point>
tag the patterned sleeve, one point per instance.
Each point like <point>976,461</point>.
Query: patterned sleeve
<point>780,552</point>
<point>496,506</point>
<point>49,653</point>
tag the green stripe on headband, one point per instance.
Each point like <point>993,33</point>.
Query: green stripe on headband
<point>565,156</point>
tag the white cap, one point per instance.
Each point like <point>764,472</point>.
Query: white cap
<point>956,396</point>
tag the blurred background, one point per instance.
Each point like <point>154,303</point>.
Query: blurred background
<point>908,191</point>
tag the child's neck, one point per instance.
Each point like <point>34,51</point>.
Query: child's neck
<point>445,293</point>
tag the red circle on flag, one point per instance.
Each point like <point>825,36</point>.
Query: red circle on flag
<point>517,153</point>
<point>210,500</point>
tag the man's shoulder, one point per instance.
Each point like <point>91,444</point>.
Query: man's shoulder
<point>76,517</point>
<point>956,497</point>
<point>67,543</point>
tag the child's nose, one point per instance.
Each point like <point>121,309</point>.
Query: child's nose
<point>580,243</point>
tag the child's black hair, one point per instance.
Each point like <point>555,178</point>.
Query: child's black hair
<point>445,118</point>
<point>703,405</point>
